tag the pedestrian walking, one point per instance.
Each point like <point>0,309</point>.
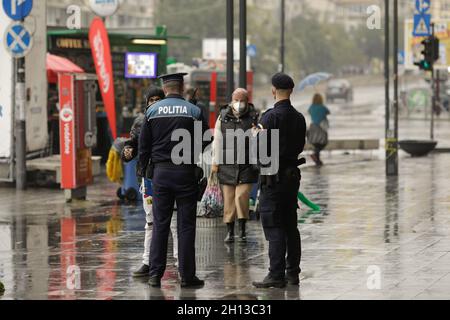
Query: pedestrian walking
<point>172,182</point>
<point>318,130</point>
<point>278,198</point>
<point>130,151</point>
<point>236,177</point>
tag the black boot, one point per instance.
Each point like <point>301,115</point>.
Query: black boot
<point>230,235</point>
<point>242,233</point>
<point>270,282</point>
<point>155,281</point>
<point>292,278</point>
<point>142,272</point>
<point>192,283</point>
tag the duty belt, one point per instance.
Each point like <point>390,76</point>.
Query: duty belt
<point>173,165</point>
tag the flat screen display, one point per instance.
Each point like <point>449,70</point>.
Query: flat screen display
<point>141,65</point>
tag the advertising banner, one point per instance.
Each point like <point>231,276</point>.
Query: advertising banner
<point>6,93</point>
<point>101,52</point>
<point>67,131</point>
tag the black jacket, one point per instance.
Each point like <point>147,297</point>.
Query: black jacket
<point>235,174</point>
<point>161,120</point>
<point>133,142</point>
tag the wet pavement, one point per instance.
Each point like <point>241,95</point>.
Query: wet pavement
<point>373,239</point>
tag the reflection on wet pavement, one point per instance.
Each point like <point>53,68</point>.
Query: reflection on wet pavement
<point>375,238</point>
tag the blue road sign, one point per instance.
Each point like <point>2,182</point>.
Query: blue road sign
<point>422,25</point>
<point>423,6</point>
<point>252,51</point>
<point>17,9</point>
<point>18,40</point>
<point>401,57</point>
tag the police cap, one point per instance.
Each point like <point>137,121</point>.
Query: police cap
<point>283,81</point>
<point>178,77</point>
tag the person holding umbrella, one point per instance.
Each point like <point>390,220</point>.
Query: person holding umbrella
<point>318,130</point>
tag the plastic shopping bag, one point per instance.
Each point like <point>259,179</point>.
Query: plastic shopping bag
<point>211,205</point>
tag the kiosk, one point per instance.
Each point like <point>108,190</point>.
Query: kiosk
<point>78,132</point>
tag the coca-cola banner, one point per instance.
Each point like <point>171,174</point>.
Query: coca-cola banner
<point>101,52</point>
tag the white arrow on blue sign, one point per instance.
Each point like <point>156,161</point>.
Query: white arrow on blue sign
<point>422,6</point>
<point>422,25</point>
<point>18,40</point>
<point>17,9</point>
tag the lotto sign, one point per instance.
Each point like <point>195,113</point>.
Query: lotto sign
<point>67,131</point>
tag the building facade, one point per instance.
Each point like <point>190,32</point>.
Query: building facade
<point>131,14</point>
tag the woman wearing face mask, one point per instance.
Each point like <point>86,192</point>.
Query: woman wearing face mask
<point>235,178</point>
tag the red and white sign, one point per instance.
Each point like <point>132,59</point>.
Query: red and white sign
<point>67,131</point>
<point>213,100</point>
<point>101,52</point>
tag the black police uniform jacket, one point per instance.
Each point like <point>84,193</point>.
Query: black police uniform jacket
<point>162,119</point>
<point>244,173</point>
<point>292,131</point>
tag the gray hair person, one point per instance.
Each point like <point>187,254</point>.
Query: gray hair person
<point>231,160</point>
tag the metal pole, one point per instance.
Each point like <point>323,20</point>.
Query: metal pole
<point>395,140</point>
<point>283,35</point>
<point>230,48</point>
<point>386,64</point>
<point>433,90</point>
<point>243,44</point>
<point>388,133</point>
<point>20,127</point>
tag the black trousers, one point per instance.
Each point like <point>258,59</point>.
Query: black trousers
<point>278,206</point>
<point>318,148</point>
<point>172,184</point>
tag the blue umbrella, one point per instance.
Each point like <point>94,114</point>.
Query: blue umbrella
<point>313,80</point>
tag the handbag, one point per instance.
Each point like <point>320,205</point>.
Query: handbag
<point>317,135</point>
<point>211,205</point>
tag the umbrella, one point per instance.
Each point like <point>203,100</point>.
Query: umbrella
<point>314,79</point>
<point>56,64</point>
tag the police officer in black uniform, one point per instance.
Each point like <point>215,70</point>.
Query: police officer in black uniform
<point>171,180</point>
<point>278,198</point>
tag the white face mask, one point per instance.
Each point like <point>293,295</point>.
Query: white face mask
<point>239,107</point>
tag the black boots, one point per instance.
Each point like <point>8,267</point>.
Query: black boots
<point>242,233</point>
<point>230,235</point>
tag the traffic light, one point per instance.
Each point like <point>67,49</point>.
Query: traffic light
<point>430,53</point>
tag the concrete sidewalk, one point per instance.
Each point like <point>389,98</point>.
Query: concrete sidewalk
<point>375,238</point>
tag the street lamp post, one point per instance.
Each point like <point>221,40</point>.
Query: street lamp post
<point>230,49</point>
<point>283,35</point>
<point>243,44</point>
<point>395,141</point>
<point>20,121</point>
<point>391,136</point>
